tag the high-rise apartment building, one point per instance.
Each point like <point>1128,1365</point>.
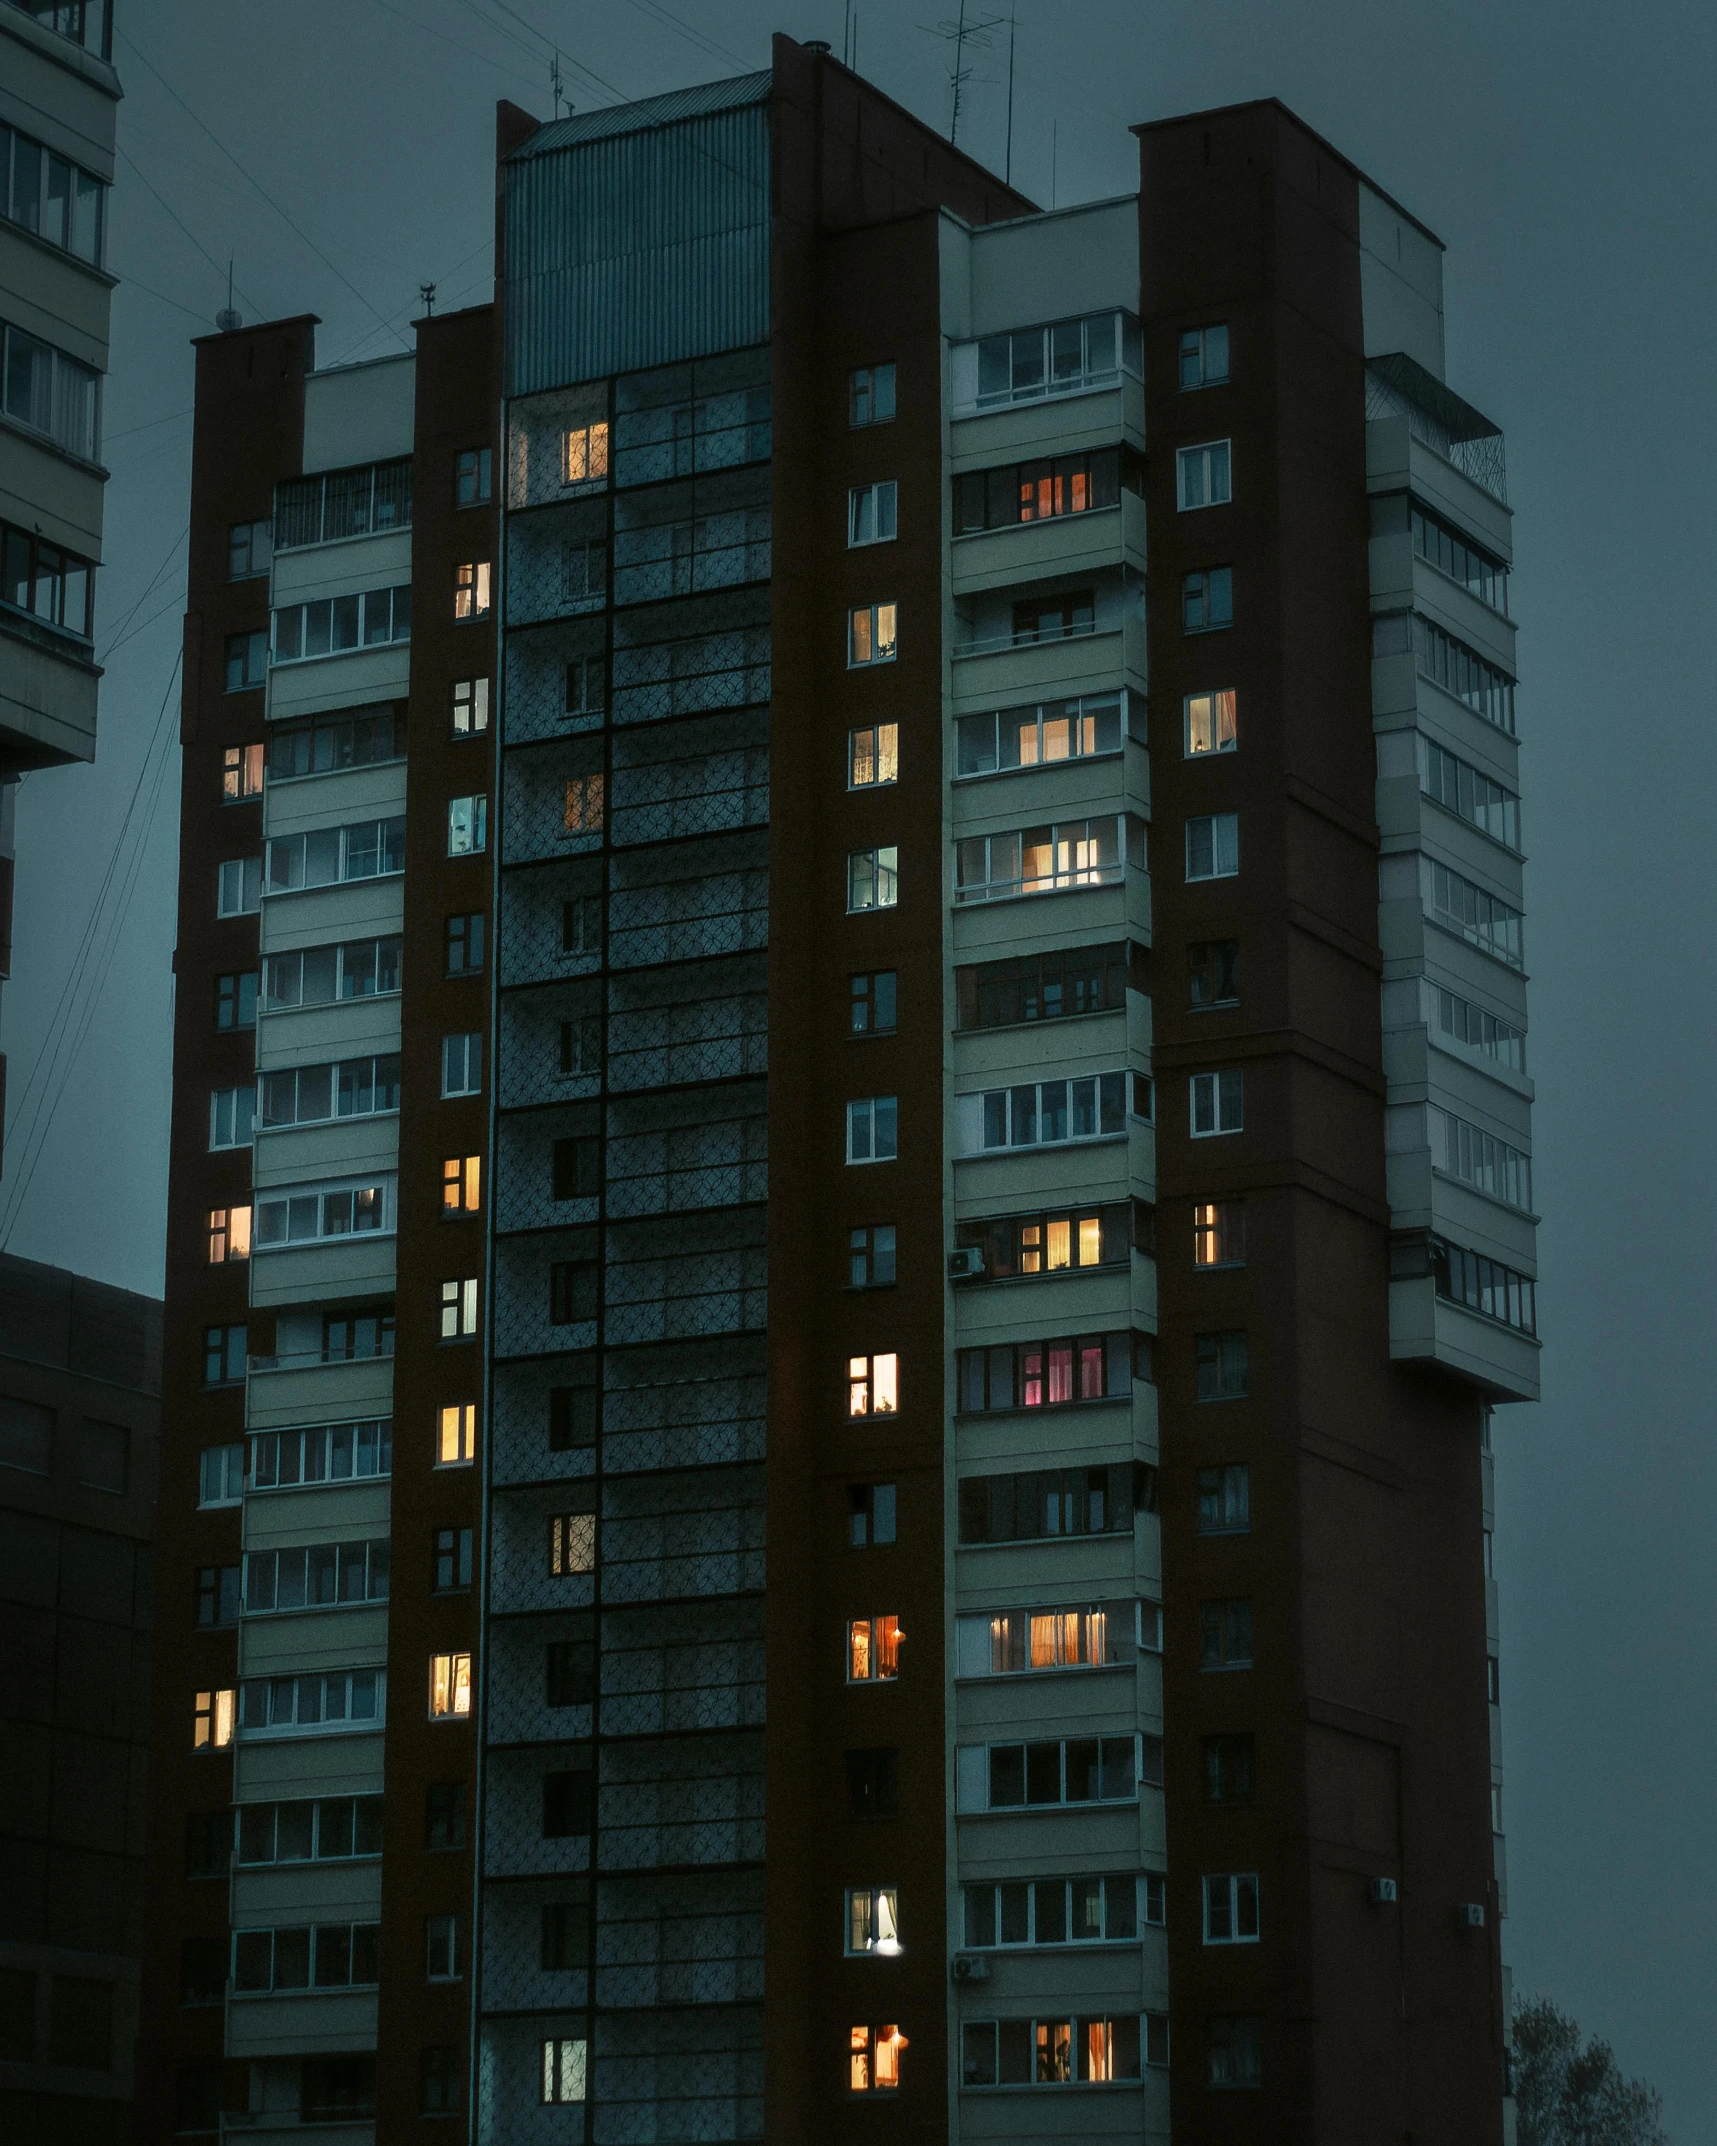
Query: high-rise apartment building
<point>850,1167</point>
<point>58,100</point>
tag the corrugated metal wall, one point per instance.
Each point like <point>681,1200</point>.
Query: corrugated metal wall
<point>638,250</point>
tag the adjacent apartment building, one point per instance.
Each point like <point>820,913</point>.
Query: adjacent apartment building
<point>850,1167</point>
<point>58,100</point>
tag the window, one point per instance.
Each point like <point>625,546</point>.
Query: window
<point>1474,915</point>
<point>1040,736</point>
<point>444,1817</point>
<point>1470,1279</point>
<point>871,1256</point>
<point>1050,2052</point>
<point>1228,1776</point>
<point>239,887</point>
<point>438,2082</point>
<point>459,1309</point>
<point>1203,357</point>
<point>1092,1769</point>
<point>1225,1634</point>
<point>1221,1367</point>
<point>224,1358</point>
<point>335,1829</point>
<point>46,391</point>
<point>323,975</point>
<point>471,589</point>
<point>343,503</point>
<point>870,395</point>
<point>1234,2046</point>
<point>1448,663</point>
<point>873,879</point>
<point>1051,1911</point>
<point>873,1649</point>
<point>470,707</point>
<point>870,513</point>
<point>26,1436</point>
<point>316,1576</point>
<point>1049,1503</point>
<point>53,586</point>
<point>212,1717</point>
<point>471,477</point>
<point>250,550</point>
<point>465,944</point>
<point>1213,974</point>
<point>461,1184</point>
<point>1042,987</point>
<point>467,826</point>
<point>322,1956</point>
<point>449,1686</point>
<point>235,999</point>
<point>873,1003</point>
<point>1044,490</point>
<point>569,1671</point>
<point>1460,1021</point>
<point>1225,1499</point>
<point>1219,1233</point>
<point>450,1560</point>
<point>327,744</point>
<point>1042,1113</point>
<point>59,201</point>
<point>1207,599</point>
<point>321,1453</point>
<point>1024,1642</point>
<point>208,1843</point>
<point>348,1088</point>
<point>309,1213</point>
<point>572,1418</point>
<point>216,1598</point>
<point>1213,846</point>
<point>873,1129</point>
<point>1057,1243</point>
<point>247,661</point>
<point>569,1803</point>
<point>584,453</point>
<point>584,686</point>
<point>1043,1374</point>
<point>339,625</point>
<point>441,1948</point>
<point>1217,1104</point>
<point>563,2070</point>
<point>870,635</point>
<point>1040,860</point>
<point>581,925</point>
<point>462,1064</point>
<point>1211,725</point>
<point>571,1545</point>
<point>229,1234</point>
<point>1477,1158</point>
<point>350,1336</point>
<point>873,1920</point>
<point>873,1385</point>
<point>1202,476</point>
<point>572,1291</point>
<point>241,774</point>
<point>1231,1908</point>
<point>1054,618</point>
<point>1065,358</point>
<point>1472,796</point>
<point>870,1515</point>
<point>198,2100</point>
<point>456,1434</point>
<point>873,756</point>
<point>873,1783</point>
<point>220,1477</point>
<point>873,2067</point>
<point>339,1701</point>
<point>1443,546</point>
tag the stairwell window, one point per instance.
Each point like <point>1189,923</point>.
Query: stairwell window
<point>871,630</point>
<point>873,879</point>
<point>1203,476</point>
<point>471,589</point>
<point>449,1687</point>
<point>456,1434</point>
<point>873,1385</point>
<point>873,756</point>
<point>870,395</point>
<point>467,826</point>
<point>1213,846</point>
<point>873,1128</point>
<point>1217,1104</point>
<point>873,1921</point>
<point>1212,722</point>
<point>1207,600</point>
<point>1231,1908</point>
<point>470,707</point>
<point>1204,356</point>
<point>870,513</point>
<point>873,1649</point>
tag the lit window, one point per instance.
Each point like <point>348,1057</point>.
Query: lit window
<point>241,773</point>
<point>563,2060</point>
<point>873,1129</point>
<point>470,707</point>
<point>471,589</point>
<point>873,879</point>
<point>1219,1233</point>
<point>1213,846</point>
<point>212,1720</point>
<point>585,803</point>
<point>1218,1104</point>
<point>870,634</point>
<point>449,1686</point>
<point>873,1650</point>
<point>1231,1908</point>
<point>870,513</point>
<point>459,1309</point>
<point>583,456</point>
<point>1204,356</point>
<point>229,1234</point>
<point>461,1184</point>
<point>1203,476</point>
<point>874,2065</point>
<point>571,1544</point>
<point>873,756</point>
<point>870,395</point>
<point>873,1385</point>
<point>873,1920</point>
<point>467,826</point>
<point>1212,722</point>
<point>456,1440</point>
<point>471,477</point>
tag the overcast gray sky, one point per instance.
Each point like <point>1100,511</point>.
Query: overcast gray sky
<point>1566,155</point>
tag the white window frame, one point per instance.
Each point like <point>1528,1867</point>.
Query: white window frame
<point>975,1114</point>
<point>876,503</point>
<point>1229,1893</point>
<point>873,1921</point>
<point>221,1470</point>
<point>884,756</point>
<point>1204,476</point>
<point>239,887</point>
<point>228,1112</point>
<point>1220,1098</point>
<point>876,871</point>
<point>383,1191</point>
<point>1221,830</point>
<point>1202,345</point>
<point>470,707</point>
<point>462,1063</point>
<point>468,825</point>
<point>870,1119</point>
<point>473,599</point>
<point>289,855</point>
<point>879,634</point>
<point>462,1306</point>
<point>1212,717</point>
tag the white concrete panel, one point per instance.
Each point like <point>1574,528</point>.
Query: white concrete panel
<point>359,909</point>
<point>294,802</point>
<point>346,1891</point>
<point>319,1393</point>
<point>381,561</point>
<point>283,1767</point>
<point>353,680</point>
<point>1051,266</point>
<point>359,413</point>
<point>345,1511</point>
<point>342,1147</point>
<point>300,1642</point>
<point>1400,283</point>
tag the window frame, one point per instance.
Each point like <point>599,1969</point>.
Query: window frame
<point>1213,462</point>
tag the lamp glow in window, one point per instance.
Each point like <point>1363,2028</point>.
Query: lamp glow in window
<point>470,707</point>
<point>449,1686</point>
<point>873,1649</point>
<point>873,1385</point>
<point>563,2067</point>
<point>583,456</point>
<point>873,1920</point>
<point>871,634</point>
<point>457,1438</point>
<point>584,808</point>
<point>873,756</point>
<point>229,1234</point>
<point>874,2064</point>
<point>572,1544</point>
<point>212,1720</point>
<point>471,589</point>
<point>1212,722</point>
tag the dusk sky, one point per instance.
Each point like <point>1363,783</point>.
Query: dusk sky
<point>341,156</point>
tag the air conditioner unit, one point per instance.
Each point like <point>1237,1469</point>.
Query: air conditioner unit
<point>966,1265</point>
<point>1470,1915</point>
<point>971,1967</point>
<point>1385,1892</point>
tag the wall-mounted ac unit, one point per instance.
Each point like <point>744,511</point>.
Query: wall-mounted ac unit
<point>966,1265</point>
<point>971,1967</point>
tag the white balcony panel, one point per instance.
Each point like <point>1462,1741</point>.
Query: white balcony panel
<point>296,1642</point>
<point>297,1766</point>
<point>1427,1328</point>
<point>1068,1172</point>
<point>335,1268</point>
<point>1396,462</point>
<point>1037,923</point>
<point>1064,1702</point>
<point>1084,1043</point>
<point>356,909</point>
<point>334,1147</point>
<point>304,2023</point>
<point>312,1035</point>
<point>351,680</point>
<point>1063,544</point>
<point>378,561</point>
<point>293,803</point>
<point>348,1891</point>
<point>1059,425</point>
<point>1099,1300</point>
<point>304,1390</point>
<point>349,1510</point>
<point>1050,670</point>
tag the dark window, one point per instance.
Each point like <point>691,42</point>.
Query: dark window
<point>870,1514</point>
<point>873,998</point>
<point>572,1412</point>
<point>870,395</point>
<point>80,2022</point>
<point>203,1970</point>
<point>1228,1769</point>
<point>250,548</point>
<point>465,945</point>
<point>1225,1499</point>
<point>1048,1502</point>
<point>1042,490</point>
<point>1493,1679</point>
<point>873,1783</point>
<point>337,2086</point>
<point>1054,618</point>
<point>325,743</point>
<point>444,1816</point>
<point>1021,1245</point>
<point>224,1355</point>
<point>472,477</point>
<point>569,1803</point>
<point>349,1337</point>
<point>450,1560</point>
<point>1213,974</point>
<point>235,1000</point>
<point>217,1594</point>
<point>577,1168</point>
<point>565,1935</point>
<point>247,661</point>
<point>1207,599</point>
<point>584,686</point>
<point>870,1256</point>
<point>1225,1634</point>
<point>208,1843</point>
<point>572,1291</point>
<point>1234,2050</point>
<point>1044,1374</point>
<point>1221,1365</point>
<point>438,2082</point>
<point>569,1670</point>
<point>1044,987</point>
<point>36,576</point>
<point>581,925</point>
<point>199,2097</point>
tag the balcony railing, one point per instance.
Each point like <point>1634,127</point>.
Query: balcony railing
<point>1398,386</point>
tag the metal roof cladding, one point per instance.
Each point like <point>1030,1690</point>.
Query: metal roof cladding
<point>648,112</point>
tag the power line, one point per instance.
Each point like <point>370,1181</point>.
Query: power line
<point>220,267</point>
<point>148,589</point>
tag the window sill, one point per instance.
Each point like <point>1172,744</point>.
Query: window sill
<point>1038,767</point>
<point>361,536</point>
<point>320,774</point>
<point>49,445</point>
<point>52,640</point>
<point>1041,521</point>
<point>1017,891</point>
<point>368,879</point>
<point>1044,1147</point>
<point>320,1005</point>
<point>994,405</point>
<point>331,655</point>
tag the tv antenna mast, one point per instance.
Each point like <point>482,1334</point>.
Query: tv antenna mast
<point>961,33</point>
<point>426,291</point>
<point>227,319</point>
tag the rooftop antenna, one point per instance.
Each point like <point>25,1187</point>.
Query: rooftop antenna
<point>847,37</point>
<point>226,320</point>
<point>1054,144</point>
<point>1008,164</point>
<point>426,291</point>
<point>554,84</point>
<point>960,34</point>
